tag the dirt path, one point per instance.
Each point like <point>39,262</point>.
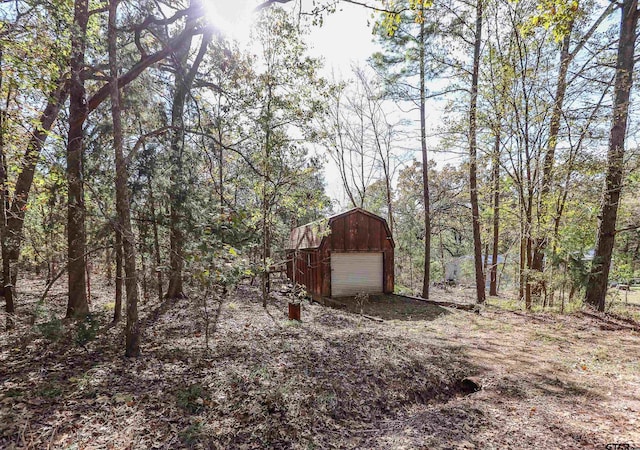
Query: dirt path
<point>548,382</point>
<point>335,381</point>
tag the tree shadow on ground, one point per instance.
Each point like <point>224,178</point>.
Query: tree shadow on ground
<point>389,307</point>
<point>330,382</point>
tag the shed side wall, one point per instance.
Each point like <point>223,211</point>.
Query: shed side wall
<point>308,268</point>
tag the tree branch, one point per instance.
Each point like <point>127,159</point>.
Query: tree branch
<point>141,65</point>
<point>630,228</point>
<point>606,13</point>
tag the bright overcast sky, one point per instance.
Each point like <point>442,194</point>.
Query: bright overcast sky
<point>344,40</point>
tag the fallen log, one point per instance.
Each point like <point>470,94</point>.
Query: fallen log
<point>609,321</point>
<point>374,318</point>
<point>462,306</point>
<point>469,385</point>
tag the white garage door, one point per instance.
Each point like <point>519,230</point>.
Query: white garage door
<point>352,273</point>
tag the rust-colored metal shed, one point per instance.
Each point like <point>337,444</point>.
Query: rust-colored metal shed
<point>342,255</point>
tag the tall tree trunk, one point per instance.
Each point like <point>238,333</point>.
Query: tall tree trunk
<point>540,243</point>
<point>143,269</point>
<point>143,231</point>
<point>528,301</point>
<point>475,210</point>
<point>599,275</point>
<point>178,194</point>
<point>493,283</point>
<point>425,165</point>
<point>156,240</point>
<point>51,258</point>
<point>389,202</point>
<point>221,174</point>
<point>522,254</point>
<point>108,255</point>
<point>266,250</point>
<point>122,197</point>
<point>485,262</point>
<point>77,305</point>
<point>117,312</point>
<point>7,272</point>
<point>266,244</point>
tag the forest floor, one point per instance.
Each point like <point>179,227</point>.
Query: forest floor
<point>336,380</point>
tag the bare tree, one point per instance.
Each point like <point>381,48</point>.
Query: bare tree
<point>123,227</point>
<point>383,137</point>
<point>473,151</point>
<point>346,133</point>
<point>598,277</point>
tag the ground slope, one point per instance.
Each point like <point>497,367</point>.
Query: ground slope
<point>337,380</point>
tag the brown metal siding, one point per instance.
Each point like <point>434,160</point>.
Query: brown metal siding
<point>308,272</point>
<point>374,235</point>
<point>353,231</point>
<point>359,232</point>
<point>325,271</point>
<point>338,233</point>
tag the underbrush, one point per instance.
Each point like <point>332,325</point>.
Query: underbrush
<point>622,303</point>
<point>333,380</point>
<point>284,395</point>
<point>509,302</point>
<point>264,381</point>
<point>625,303</point>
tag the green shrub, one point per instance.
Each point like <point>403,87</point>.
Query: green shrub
<point>192,398</point>
<point>86,330</point>
<point>49,390</point>
<point>51,330</point>
<point>191,434</point>
<point>13,393</point>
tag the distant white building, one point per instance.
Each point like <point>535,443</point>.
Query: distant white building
<point>453,268</point>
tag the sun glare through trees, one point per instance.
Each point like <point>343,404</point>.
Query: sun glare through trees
<point>234,18</point>
<point>212,239</point>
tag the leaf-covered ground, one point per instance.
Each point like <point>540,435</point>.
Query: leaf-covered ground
<point>337,380</point>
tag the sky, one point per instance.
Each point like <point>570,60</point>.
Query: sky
<point>343,41</point>
<point>344,37</point>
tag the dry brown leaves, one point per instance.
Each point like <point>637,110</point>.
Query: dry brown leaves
<point>333,381</point>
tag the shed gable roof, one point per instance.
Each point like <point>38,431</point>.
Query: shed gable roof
<point>310,235</point>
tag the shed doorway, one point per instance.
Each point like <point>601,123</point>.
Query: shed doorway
<point>353,273</point>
